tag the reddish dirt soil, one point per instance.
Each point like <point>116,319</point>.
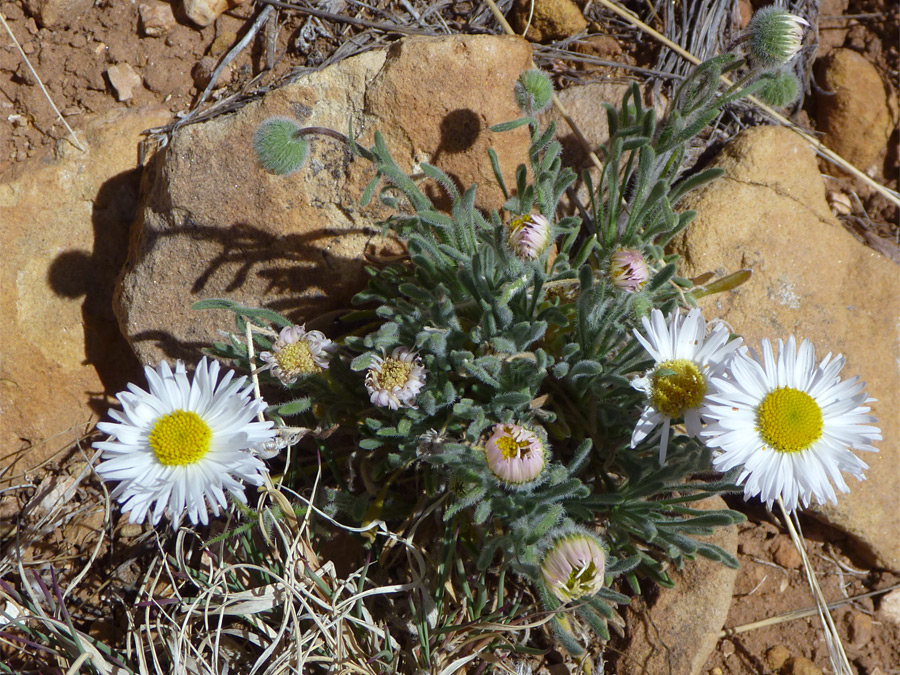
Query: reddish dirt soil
<point>771,583</point>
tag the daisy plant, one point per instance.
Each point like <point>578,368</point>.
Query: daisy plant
<point>541,388</point>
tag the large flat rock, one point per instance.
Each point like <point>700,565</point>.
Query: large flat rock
<point>214,224</point>
<point>811,278</point>
<point>64,232</point>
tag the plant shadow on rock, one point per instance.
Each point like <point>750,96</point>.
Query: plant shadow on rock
<point>460,130</point>
<point>301,279</point>
<point>77,273</point>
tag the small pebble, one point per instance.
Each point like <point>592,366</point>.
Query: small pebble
<point>157,19</point>
<point>784,553</point>
<point>123,80</point>
<point>203,70</point>
<point>859,627</point>
<point>222,44</point>
<point>800,666</point>
<point>889,608</point>
<point>840,203</point>
<point>777,656</point>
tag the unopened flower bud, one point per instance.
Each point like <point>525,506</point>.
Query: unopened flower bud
<point>628,270</point>
<point>278,147</point>
<point>779,89</point>
<point>573,566</point>
<point>533,92</point>
<point>639,308</point>
<point>514,454</point>
<point>529,236</point>
<point>776,36</point>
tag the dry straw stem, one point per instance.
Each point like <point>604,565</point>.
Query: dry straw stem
<point>839,662</point>
<point>72,136</point>
<point>825,152</point>
<point>801,613</point>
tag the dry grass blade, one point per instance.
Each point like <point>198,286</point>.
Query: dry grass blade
<point>72,136</point>
<point>801,613</point>
<point>836,652</point>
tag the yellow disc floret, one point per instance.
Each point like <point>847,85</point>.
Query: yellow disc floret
<point>582,581</point>
<point>295,358</point>
<point>789,420</point>
<point>512,448</point>
<point>393,373</point>
<point>676,386</point>
<point>180,438</point>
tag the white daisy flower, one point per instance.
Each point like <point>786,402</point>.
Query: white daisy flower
<point>183,443</point>
<point>394,381</point>
<point>573,566</point>
<point>298,352</point>
<point>790,423</point>
<point>686,357</point>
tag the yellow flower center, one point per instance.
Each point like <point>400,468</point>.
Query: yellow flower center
<point>582,581</point>
<point>789,420</point>
<point>513,449</point>
<point>676,386</point>
<point>296,359</point>
<point>393,373</point>
<point>518,223</point>
<point>180,438</point>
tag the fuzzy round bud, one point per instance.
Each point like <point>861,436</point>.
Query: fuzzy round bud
<point>533,92</point>
<point>775,36</point>
<point>639,308</point>
<point>628,270</point>
<point>573,566</point>
<point>514,454</point>
<point>779,89</point>
<point>529,235</point>
<point>278,147</point>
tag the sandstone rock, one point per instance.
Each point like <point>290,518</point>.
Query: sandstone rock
<point>800,665</point>
<point>123,80</point>
<point>64,228</point>
<point>855,119</point>
<point>214,224</point>
<point>157,18</point>
<point>889,608</point>
<point>831,33</point>
<point>56,13</point>
<point>680,630</point>
<point>777,656</point>
<point>204,12</point>
<point>550,19</point>
<point>812,279</point>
